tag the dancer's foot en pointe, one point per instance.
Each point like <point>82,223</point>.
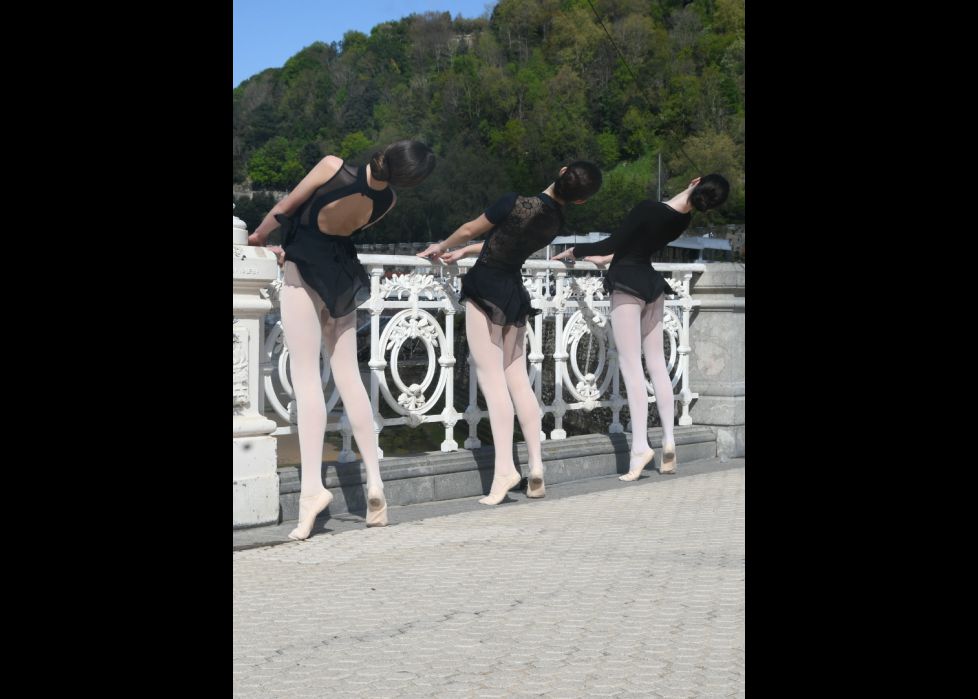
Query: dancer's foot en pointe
<point>668,459</point>
<point>636,465</point>
<point>535,487</point>
<point>309,507</point>
<point>376,508</point>
<point>501,486</point>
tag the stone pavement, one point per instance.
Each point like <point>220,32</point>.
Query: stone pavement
<point>632,590</point>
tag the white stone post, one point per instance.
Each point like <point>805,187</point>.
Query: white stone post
<point>717,366</point>
<point>255,467</point>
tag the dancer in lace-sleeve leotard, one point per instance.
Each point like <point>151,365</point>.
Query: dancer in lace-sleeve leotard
<point>497,306</point>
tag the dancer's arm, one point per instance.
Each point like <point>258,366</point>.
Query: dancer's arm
<point>456,255</point>
<point>683,196</point>
<point>494,215</point>
<point>324,169</point>
<point>600,260</point>
<point>464,233</point>
<point>636,218</point>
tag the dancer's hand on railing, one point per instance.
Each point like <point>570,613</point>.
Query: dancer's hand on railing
<point>453,256</point>
<point>279,253</point>
<point>567,255</point>
<point>599,260</point>
<point>433,251</point>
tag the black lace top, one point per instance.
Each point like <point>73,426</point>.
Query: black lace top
<point>523,225</point>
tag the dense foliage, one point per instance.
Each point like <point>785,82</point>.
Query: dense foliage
<point>505,101</point>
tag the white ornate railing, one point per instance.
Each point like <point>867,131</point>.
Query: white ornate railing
<point>419,305</point>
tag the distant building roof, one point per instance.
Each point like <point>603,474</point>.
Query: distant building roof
<point>592,237</point>
<point>691,242</point>
<point>701,243</point>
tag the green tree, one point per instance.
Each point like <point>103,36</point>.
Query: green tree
<point>276,165</point>
<point>535,85</point>
<point>254,209</point>
<point>309,156</point>
<point>354,144</point>
<point>607,144</point>
<point>712,152</point>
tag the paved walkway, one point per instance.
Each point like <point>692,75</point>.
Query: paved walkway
<point>624,589</point>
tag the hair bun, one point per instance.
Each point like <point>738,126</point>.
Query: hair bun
<point>378,168</point>
<point>566,182</point>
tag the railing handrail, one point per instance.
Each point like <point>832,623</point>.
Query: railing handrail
<point>415,261</point>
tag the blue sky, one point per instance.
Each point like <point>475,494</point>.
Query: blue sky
<point>268,32</point>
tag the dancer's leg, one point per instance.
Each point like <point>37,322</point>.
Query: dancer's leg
<point>486,349</point>
<point>655,360</point>
<point>525,402</point>
<point>626,314</point>
<point>341,347</point>
<point>301,308</point>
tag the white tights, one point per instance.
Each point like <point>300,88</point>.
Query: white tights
<point>500,366</point>
<point>637,327</point>
<point>307,325</point>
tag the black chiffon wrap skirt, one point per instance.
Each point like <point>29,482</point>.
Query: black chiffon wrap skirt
<point>499,292</point>
<point>327,263</point>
